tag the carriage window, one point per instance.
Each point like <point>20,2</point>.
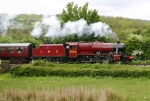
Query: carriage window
<point>25,49</point>
<point>19,49</point>
<point>2,49</point>
<point>10,49</point>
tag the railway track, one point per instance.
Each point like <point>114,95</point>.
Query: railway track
<point>5,67</point>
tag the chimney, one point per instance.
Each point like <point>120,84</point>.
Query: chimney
<point>118,42</point>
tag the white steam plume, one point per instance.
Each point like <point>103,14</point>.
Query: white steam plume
<point>77,27</point>
<point>5,21</point>
<point>54,29</point>
<point>37,30</point>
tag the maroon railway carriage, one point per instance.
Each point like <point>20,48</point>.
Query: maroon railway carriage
<point>16,52</point>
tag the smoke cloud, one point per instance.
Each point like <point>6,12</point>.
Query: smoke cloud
<point>6,21</point>
<point>77,27</point>
<point>37,30</point>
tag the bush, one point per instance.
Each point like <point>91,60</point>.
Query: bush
<point>42,63</point>
<point>75,72</point>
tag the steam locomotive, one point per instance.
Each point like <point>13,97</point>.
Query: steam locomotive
<point>81,52</point>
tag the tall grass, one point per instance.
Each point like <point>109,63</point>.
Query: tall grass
<point>68,94</point>
<point>134,89</point>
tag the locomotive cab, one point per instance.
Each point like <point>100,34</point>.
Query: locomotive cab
<point>73,49</point>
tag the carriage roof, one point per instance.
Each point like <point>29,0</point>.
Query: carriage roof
<point>14,44</point>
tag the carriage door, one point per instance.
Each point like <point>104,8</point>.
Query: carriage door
<point>73,51</point>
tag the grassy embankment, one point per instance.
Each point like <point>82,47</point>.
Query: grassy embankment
<point>83,88</point>
<point>123,89</point>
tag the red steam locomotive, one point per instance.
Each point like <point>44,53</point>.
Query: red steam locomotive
<point>70,51</point>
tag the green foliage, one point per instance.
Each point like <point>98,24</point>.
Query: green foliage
<point>19,39</point>
<point>134,45</point>
<point>138,31</point>
<point>4,39</point>
<point>125,26</point>
<point>147,32</point>
<point>41,68</point>
<point>138,46</point>
<point>43,63</point>
<point>146,48</point>
<point>85,37</point>
<point>28,19</point>
<point>14,69</point>
<point>44,39</point>
<point>73,13</point>
<point>138,62</point>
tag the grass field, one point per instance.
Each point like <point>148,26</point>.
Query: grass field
<point>133,89</point>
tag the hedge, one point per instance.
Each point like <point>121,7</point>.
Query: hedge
<point>31,71</point>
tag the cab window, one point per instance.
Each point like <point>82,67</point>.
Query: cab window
<point>72,47</point>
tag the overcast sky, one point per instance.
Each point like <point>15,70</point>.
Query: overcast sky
<point>137,9</point>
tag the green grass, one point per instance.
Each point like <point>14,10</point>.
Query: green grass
<point>140,62</point>
<point>135,89</point>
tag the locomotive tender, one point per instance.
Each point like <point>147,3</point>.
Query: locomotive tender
<point>91,52</point>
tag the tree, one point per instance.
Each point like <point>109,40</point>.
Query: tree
<point>73,13</point>
<point>147,33</point>
<point>134,46</point>
<point>138,31</point>
<point>146,48</point>
<point>139,48</point>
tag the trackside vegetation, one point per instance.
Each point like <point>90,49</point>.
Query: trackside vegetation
<point>44,81</point>
<point>70,94</point>
<point>140,62</point>
<point>42,68</point>
<point>14,88</point>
